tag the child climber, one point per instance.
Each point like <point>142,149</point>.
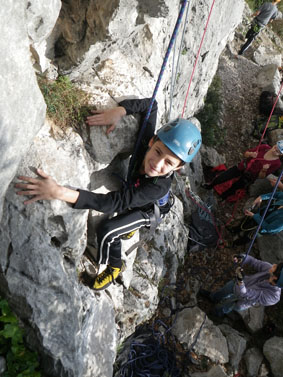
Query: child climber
<point>158,157</point>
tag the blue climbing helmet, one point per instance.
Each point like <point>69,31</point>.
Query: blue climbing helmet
<point>182,137</point>
<point>280,146</point>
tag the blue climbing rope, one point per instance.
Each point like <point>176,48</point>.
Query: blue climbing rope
<point>263,216</point>
<point>173,37</point>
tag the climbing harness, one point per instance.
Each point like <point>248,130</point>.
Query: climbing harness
<point>142,129</point>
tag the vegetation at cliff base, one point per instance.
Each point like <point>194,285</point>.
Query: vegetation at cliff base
<point>20,361</point>
<point>67,105</point>
<point>212,134</point>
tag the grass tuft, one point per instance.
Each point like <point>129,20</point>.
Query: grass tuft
<point>67,105</point>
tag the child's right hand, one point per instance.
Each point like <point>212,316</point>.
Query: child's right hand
<point>44,188</point>
<point>110,118</point>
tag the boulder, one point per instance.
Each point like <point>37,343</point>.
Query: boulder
<point>253,359</point>
<point>210,342</point>
<point>273,351</point>
<point>253,318</point>
<point>236,345</point>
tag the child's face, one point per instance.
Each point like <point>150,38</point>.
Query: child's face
<point>159,160</point>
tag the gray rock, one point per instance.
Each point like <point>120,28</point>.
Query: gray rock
<point>41,19</point>
<point>273,351</point>
<point>253,359</point>
<point>211,157</point>
<point>260,187</point>
<point>214,371</point>
<point>253,318</point>
<point>263,56</point>
<point>22,107</point>
<point>236,345</point>
<point>211,343</point>
<point>269,78</point>
<point>271,247</point>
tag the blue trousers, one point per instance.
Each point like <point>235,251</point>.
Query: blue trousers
<point>225,299</point>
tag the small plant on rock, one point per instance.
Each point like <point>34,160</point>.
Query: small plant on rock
<point>66,104</point>
<point>20,361</point>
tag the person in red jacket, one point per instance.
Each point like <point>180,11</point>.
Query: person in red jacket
<point>257,164</point>
<point>158,157</point>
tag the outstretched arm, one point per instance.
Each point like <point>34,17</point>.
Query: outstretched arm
<point>45,188</point>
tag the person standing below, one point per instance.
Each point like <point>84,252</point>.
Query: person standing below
<point>260,288</point>
<point>266,13</point>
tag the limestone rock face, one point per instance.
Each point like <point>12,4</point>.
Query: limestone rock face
<point>210,343</point>
<point>126,57</point>
<point>41,18</point>
<point>272,350</point>
<point>75,330</point>
<point>41,246</point>
<point>22,107</point>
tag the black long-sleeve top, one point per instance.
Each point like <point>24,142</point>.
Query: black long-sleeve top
<point>144,191</point>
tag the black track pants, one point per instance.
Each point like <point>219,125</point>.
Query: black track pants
<point>110,230</point>
<point>228,174</point>
<point>251,35</point>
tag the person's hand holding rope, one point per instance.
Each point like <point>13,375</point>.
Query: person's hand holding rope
<point>239,275</point>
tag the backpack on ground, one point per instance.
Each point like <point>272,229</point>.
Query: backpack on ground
<point>202,231</point>
<point>276,122</point>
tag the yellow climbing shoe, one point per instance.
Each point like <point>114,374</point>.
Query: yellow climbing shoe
<point>128,235</point>
<point>106,278</point>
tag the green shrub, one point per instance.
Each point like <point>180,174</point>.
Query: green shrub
<point>20,360</point>
<point>66,104</point>
<point>212,135</point>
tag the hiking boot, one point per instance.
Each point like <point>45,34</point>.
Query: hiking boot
<point>128,236</point>
<point>107,277</point>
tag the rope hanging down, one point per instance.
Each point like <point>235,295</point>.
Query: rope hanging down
<point>263,216</point>
<point>173,37</point>
<point>175,74</point>
<point>262,136</point>
<point>193,72</point>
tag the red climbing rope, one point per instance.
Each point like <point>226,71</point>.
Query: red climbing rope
<point>192,75</point>
<point>262,136</point>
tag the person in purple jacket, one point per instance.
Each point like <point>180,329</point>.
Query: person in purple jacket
<point>146,193</point>
<point>261,288</point>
